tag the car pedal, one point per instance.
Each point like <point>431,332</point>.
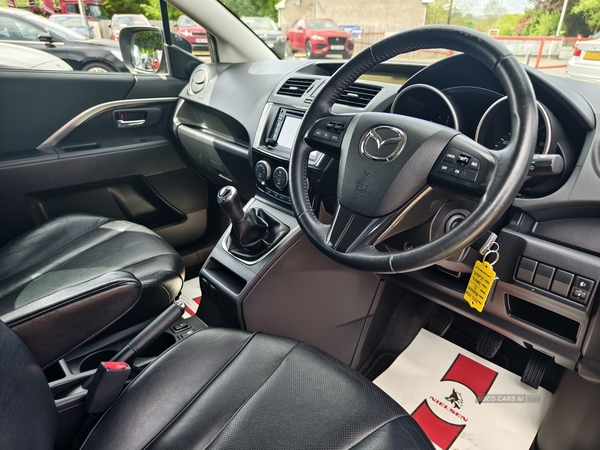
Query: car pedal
<point>535,369</point>
<point>440,321</point>
<point>488,343</point>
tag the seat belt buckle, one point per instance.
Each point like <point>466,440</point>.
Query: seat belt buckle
<point>106,385</point>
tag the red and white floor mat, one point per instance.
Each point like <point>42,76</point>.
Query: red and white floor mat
<point>463,401</point>
<point>191,295</point>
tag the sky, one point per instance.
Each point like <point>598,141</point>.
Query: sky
<point>513,6</point>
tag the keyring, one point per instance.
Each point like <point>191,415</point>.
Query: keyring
<point>495,252</point>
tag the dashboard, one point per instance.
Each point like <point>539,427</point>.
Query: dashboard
<point>237,124</point>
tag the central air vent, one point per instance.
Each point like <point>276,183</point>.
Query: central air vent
<point>295,87</point>
<point>358,95</point>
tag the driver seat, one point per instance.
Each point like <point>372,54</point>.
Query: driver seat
<point>217,389</point>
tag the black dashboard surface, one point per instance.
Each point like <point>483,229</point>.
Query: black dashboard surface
<point>234,106</point>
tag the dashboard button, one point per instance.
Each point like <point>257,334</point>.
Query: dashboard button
<point>583,284</point>
<point>561,283</point>
<point>543,276</point>
<point>526,270</point>
<point>578,295</point>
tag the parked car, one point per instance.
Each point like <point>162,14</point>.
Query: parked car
<point>74,22</point>
<point>266,29</point>
<point>319,38</point>
<point>119,21</point>
<point>30,30</point>
<point>18,57</point>
<point>584,65</point>
<point>193,32</point>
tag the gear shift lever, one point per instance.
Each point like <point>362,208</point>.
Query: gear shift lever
<point>255,231</point>
<point>229,201</point>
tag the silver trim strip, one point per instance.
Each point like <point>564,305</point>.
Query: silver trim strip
<point>88,114</point>
<point>541,108</point>
<point>438,92</point>
<point>227,233</point>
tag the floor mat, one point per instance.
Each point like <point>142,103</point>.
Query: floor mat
<point>461,400</point>
<point>191,295</point>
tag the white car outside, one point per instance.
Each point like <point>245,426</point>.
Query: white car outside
<point>584,65</point>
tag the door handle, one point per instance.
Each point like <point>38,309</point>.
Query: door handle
<point>130,123</point>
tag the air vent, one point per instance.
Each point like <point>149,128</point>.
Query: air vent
<point>358,95</point>
<point>198,81</point>
<point>295,87</point>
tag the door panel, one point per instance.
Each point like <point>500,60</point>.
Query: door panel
<point>63,151</point>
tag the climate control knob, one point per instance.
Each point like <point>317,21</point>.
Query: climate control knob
<point>280,178</point>
<point>262,171</point>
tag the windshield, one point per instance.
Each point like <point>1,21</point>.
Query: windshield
<point>57,29</point>
<point>260,23</point>
<point>553,36</point>
<point>321,25</point>
<point>68,21</point>
<point>187,22</point>
<point>130,21</point>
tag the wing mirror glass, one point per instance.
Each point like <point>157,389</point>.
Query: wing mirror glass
<point>142,49</point>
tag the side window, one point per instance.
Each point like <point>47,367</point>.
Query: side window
<point>28,32</point>
<point>192,31</point>
<point>14,30</point>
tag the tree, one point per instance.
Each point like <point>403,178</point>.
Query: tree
<point>590,10</point>
<point>261,8</point>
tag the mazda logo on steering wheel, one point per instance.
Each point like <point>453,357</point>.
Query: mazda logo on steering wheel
<point>383,143</point>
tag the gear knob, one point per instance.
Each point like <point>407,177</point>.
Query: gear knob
<point>229,201</point>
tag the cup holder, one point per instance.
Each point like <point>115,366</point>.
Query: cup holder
<point>91,362</point>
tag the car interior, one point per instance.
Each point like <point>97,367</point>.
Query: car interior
<point>328,211</point>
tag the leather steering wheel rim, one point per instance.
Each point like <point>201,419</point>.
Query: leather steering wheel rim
<point>510,166</point>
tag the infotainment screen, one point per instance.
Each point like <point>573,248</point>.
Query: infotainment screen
<point>288,132</point>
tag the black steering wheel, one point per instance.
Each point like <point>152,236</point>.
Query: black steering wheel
<point>388,161</point>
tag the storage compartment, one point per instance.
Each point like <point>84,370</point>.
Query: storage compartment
<point>54,372</point>
<point>130,198</point>
<point>224,276</point>
<point>542,318</point>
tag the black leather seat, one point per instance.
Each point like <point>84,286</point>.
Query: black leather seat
<point>218,389</point>
<point>46,271</point>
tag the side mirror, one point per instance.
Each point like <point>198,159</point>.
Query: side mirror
<point>300,28</point>
<point>47,38</point>
<point>142,49</point>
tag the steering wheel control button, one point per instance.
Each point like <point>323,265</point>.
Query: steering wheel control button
<point>543,276</point>
<point>457,172</point>
<point>475,164</point>
<point>526,270</point>
<point>280,178</point>
<point>562,283</point>
<point>262,171</point>
<point>450,156</point>
<point>445,168</point>
<point>463,160</point>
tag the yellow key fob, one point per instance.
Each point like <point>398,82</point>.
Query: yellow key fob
<point>480,285</point>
